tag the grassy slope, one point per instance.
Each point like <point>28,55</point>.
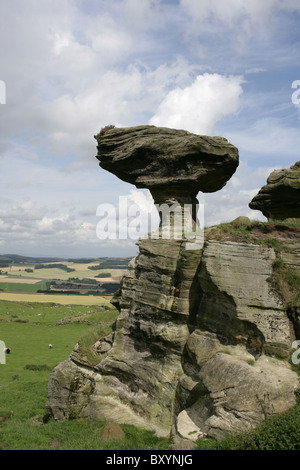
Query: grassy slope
<point>28,328</point>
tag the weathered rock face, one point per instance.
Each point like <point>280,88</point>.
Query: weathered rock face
<point>135,382</point>
<point>233,374</point>
<point>199,347</point>
<point>279,199</point>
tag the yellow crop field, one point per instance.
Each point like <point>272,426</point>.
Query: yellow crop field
<point>57,299</point>
<point>108,279</point>
<point>22,280</point>
<point>16,269</point>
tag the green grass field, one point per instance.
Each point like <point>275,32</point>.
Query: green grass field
<point>21,287</point>
<point>28,328</point>
<point>29,322</point>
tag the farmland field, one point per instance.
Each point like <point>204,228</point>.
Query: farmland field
<point>29,322</point>
<point>21,286</point>
<point>30,281</point>
<point>13,279</point>
<point>28,328</point>
<point>55,298</point>
<point>80,271</point>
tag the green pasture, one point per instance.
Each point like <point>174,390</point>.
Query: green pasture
<point>21,287</point>
<point>27,329</point>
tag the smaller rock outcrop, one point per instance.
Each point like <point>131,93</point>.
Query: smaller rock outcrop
<point>279,199</point>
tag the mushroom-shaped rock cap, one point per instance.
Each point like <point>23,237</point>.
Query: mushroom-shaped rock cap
<point>279,199</point>
<point>156,157</point>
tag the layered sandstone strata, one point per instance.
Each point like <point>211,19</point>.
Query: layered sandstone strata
<point>201,343</point>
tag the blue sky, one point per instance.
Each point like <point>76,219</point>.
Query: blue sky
<point>214,67</point>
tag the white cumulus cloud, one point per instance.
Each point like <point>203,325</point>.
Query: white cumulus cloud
<point>198,107</point>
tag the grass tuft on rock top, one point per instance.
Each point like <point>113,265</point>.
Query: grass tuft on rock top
<point>24,422</point>
<point>244,230</point>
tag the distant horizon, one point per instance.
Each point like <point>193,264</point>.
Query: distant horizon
<point>58,258</point>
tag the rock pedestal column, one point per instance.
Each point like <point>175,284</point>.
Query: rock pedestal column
<point>173,164</point>
<point>137,380</point>
<point>201,341</point>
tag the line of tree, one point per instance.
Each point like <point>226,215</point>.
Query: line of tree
<point>79,281</point>
<point>4,264</point>
<point>51,266</point>
<point>81,260</point>
<point>95,268</point>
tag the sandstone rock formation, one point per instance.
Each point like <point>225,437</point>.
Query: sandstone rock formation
<point>201,343</point>
<point>173,164</point>
<point>160,158</point>
<point>279,199</point>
